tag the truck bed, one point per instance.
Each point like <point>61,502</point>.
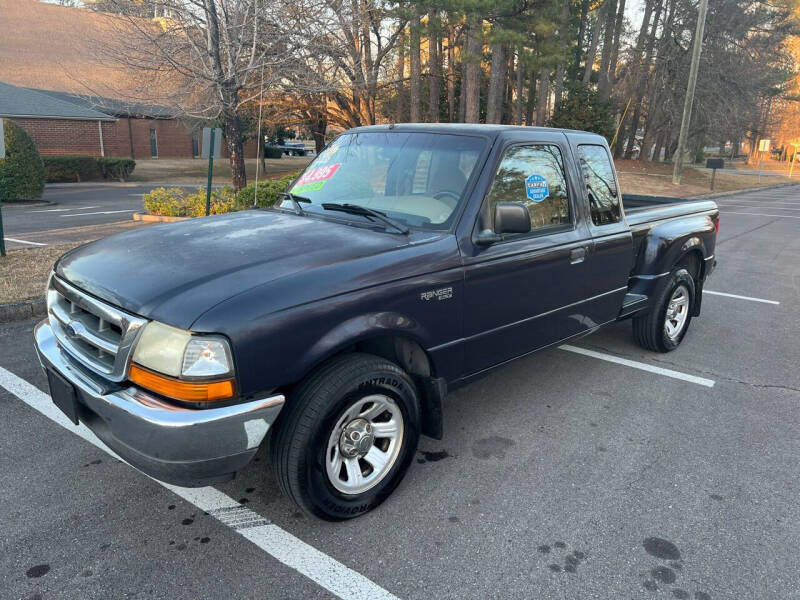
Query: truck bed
<point>641,210</point>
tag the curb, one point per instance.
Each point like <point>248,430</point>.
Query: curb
<point>157,218</point>
<point>21,311</point>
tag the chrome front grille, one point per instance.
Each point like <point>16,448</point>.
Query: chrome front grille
<point>96,334</point>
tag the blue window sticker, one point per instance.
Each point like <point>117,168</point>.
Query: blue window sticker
<point>536,188</point>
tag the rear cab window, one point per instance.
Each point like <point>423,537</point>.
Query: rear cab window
<point>601,186</point>
<point>533,174</point>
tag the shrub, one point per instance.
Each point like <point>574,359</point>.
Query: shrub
<point>86,168</point>
<point>71,168</point>
<point>272,152</point>
<point>176,202</point>
<point>267,191</point>
<point>116,168</point>
<point>21,171</point>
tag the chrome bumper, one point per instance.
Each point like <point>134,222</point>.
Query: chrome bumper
<point>178,445</point>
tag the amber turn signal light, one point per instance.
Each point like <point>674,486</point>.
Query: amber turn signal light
<point>188,391</point>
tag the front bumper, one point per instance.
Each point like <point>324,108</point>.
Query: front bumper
<point>182,446</point>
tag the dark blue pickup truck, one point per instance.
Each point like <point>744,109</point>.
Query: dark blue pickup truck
<point>405,262</point>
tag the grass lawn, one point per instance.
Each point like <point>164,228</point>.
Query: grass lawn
<point>23,273</point>
<point>640,177</point>
<point>195,170</point>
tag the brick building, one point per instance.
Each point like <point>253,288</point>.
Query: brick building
<point>63,123</point>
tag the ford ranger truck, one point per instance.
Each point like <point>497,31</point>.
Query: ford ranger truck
<point>405,261</point>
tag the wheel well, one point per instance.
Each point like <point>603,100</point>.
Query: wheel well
<point>401,350</point>
<point>693,261</point>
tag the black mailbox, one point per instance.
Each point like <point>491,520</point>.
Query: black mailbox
<point>715,163</point>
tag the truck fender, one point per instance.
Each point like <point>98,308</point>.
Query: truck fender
<point>668,243</point>
<point>397,338</point>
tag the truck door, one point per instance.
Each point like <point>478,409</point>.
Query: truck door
<point>609,263</point>
<point>524,292</point>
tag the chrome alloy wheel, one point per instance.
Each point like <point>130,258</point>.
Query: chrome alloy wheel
<point>677,312</point>
<point>364,444</point>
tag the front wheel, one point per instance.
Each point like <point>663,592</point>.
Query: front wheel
<point>664,327</point>
<point>347,436</point>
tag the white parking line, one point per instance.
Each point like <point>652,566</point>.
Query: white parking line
<point>639,365</point>
<point>63,209</point>
<point>741,297</point>
<point>730,212</point>
<point>282,545</point>
<point>748,206</point>
<point>23,241</point>
<point>102,212</point>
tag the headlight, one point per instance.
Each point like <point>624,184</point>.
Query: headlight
<point>198,367</point>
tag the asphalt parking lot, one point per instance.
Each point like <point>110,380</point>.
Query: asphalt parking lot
<point>602,472</point>
<point>73,212</point>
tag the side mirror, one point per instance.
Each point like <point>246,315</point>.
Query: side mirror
<point>511,217</point>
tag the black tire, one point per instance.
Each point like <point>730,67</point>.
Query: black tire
<point>299,443</point>
<point>649,330</point>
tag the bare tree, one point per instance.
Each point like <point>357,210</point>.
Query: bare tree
<point>208,59</point>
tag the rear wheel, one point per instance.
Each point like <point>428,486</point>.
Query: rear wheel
<point>665,326</point>
<point>346,436</point>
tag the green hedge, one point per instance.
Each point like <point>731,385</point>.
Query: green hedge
<point>86,168</point>
<point>267,191</point>
<point>58,169</point>
<point>21,171</point>
<point>272,152</point>
<point>116,168</point>
<point>177,202</point>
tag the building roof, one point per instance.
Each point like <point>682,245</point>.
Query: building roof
<point>44,46</point>
<point>113,107</point>
<point>20,102</point>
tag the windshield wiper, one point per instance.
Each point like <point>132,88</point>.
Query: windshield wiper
<point>355,209</point>
<point>295,200</point>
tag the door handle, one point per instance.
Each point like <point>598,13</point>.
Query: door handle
<point>577,255</point>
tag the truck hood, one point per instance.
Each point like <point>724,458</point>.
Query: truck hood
<point>175,272</point>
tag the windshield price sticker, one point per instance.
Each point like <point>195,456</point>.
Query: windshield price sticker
<point>319,174</point>
<point>536,188</point>
<point>314,180</point>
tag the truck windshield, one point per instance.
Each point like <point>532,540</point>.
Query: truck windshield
<point>417,179</point>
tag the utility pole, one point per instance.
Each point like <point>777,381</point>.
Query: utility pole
<point>697,46</point>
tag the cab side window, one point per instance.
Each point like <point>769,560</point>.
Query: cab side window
<point>601,186</point>
<point>533,175</point>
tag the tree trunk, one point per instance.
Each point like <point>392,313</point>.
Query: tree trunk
<point>472,106</point>
<point>609,16</point>
<point>531,103</point>
<point>400,68</point>
<point>319,127</point>
<point>416,71</point>
<point>462,96</point>
<point>544,92</point>
<point>508,110</point>
<point>612,67</point>
<point>558,84</point>
<point>434,66</point>
<point>518,100</point>
<point>494,97</point>
<point>640,67</point>
<point>583,19</point>
<point>232,130</point>
<point>451,75</point>
<point>592,54</point>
